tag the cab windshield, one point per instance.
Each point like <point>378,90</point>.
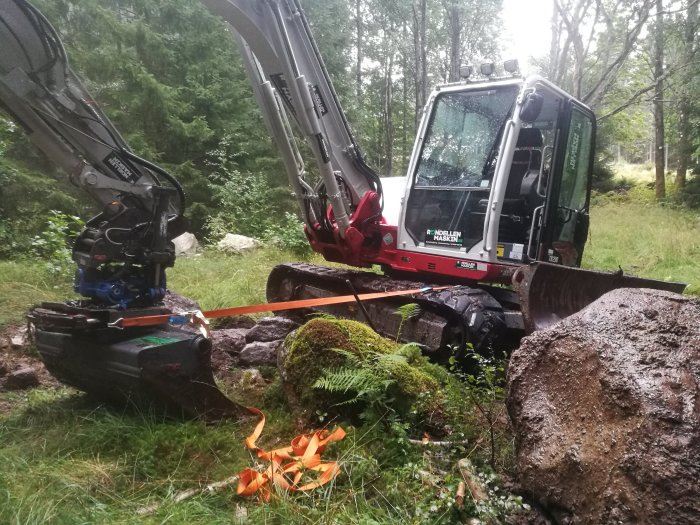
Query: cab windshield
<point>455,170</point>
<point>463,137</point>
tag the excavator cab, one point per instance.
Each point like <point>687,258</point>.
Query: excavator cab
<point>502,175</point>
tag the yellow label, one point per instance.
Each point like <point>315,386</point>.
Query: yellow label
<point>500,250</point>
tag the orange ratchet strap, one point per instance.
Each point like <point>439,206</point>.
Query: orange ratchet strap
<point>154,320</point>
<point>289,464</point>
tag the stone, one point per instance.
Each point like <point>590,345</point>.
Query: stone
<point>229,340</point>
<point>19,338</point>
<point>259,353</point>
<point>271,329</point>
<point>22,379</point>
<point>604,406</point>
<point>237,244</point>
<point>3,369</point>
<point>179,303</point>
<point>186,245</point>
<point>237,321</point>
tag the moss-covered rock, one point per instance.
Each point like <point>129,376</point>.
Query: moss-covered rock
<point>309,353</point>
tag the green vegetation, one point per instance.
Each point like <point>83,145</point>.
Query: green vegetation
<point>629,230</point>
<point>66,459</point>
<point>23,284</point>
<point>217,281</point>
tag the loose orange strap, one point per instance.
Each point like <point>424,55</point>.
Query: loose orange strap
<point>154,320</point>
<point>288,465</point>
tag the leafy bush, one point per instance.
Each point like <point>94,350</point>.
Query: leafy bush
<point>288,235</point>
<point>54,243</point>
<point>690,195</point>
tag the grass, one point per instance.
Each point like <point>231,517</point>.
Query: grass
<point>23,284</point>
<point>65,458</point>
<point>217,281</point>
<point>630,230</point>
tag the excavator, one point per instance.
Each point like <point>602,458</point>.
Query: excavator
<point>494,203</point>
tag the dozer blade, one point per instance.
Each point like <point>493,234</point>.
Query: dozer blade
<point>163,369</point>
<point>550,292</point>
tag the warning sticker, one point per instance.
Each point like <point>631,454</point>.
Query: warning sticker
<point>514,252</point>
<point>443,237</point>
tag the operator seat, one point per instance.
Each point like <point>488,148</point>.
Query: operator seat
<point>527,157</point>
<point>517,211</point>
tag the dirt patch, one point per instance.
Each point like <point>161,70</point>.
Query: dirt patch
<point>17,353</point>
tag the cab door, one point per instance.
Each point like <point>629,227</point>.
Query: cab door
<point>565,218</point>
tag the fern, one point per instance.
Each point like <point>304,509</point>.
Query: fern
<point>345,380</point>
<point>407,311</point>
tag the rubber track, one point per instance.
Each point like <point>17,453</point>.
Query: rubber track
<point>472,312</point>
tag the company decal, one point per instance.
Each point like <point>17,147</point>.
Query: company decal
<point>443,237</point>
<point>320,104</point>
<point>466,265</point>
<point>152,340</point>
<point>282,88</point>
<point>323,147</point>
<point>123,170</point>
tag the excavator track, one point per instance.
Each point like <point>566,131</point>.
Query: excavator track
<point>449,321</point>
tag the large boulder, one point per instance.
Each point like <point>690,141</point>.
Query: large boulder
<point>235,244</point>
<point>605,406</point>
<point>186,245</point>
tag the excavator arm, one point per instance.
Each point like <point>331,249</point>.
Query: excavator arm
<point>123,251</point>
<point>291,84</point>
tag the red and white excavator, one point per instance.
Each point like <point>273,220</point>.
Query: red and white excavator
<point>495,202</point>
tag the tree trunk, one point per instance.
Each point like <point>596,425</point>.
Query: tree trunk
<point>359,34</point>
<point>404,106</point>
<point>659,157</point>
<point>419,44</point>
<point>554,44</point>
<point>388,120</point>
<point>455,28</point>
<point>685,102</point>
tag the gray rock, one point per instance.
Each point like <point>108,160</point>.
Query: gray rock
<point>605,410</point>
<point>238,321</point>
<point>271,329</point>
<point>259,353</point>
<point>3,369</point>
<point>229,340</point>
<point>186,245</point>
<point>237,244</point>
<point>179,303</point>
<point>19,338</point>
<point>22,379</point>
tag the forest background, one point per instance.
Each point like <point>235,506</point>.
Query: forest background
<point>169,76</point>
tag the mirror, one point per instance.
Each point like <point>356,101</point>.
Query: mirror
<point>532,106</point>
